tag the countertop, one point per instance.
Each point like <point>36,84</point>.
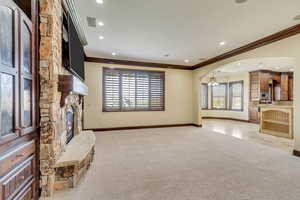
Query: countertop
<point>275,106</point>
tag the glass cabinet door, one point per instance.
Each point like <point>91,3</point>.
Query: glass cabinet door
<point>9,123</point>
<point>26,78</point>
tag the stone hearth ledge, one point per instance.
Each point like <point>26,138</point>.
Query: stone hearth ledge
<point>77,150</point>
<point>75,161</point>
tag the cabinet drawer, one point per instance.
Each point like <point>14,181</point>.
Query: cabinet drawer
<point>15,156</point>
<point>20,177</point>
<point>27,192</point>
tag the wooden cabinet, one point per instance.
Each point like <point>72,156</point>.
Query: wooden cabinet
<point>253,112</point>
<point>18,178</point>
<point>284,87</point>
<point>267,86</point>
<point>254,115</point>
<point>291,89</point>
<point>254,86</point>
<point>18,122</point>
<point>277,120</point>
<point>264,81</point>
<point>28,192</point>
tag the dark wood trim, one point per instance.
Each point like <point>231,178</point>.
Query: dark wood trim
<point>142,127</point>
<point>283,34</point>
<point>291,31</point>
<point>70,84</point>
<point>197,125</point>
<point>227,118</point>
<point>35,20</point>
<point>296,153</point>
<point>137,63</point>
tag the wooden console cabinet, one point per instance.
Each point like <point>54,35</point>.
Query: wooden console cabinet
<point>18,103</point>
<point>277,120</point>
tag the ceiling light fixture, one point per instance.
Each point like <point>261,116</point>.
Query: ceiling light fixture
<point>113,53</point>
<point>101,37</point>
<point>222,43</point>
<point>186,61</point>
<point>100,23</point>
<point>239,64</point>
<point>213,80</point>
<point>291,69</point>
<point>99,1</point>
<point>277,68</point>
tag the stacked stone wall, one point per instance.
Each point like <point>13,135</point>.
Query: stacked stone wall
<point>53,117</point>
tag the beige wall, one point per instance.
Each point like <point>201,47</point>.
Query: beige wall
<point>289,47</point>
<point>183,94</point>
<point>243,115</point>
<point>178,98</point>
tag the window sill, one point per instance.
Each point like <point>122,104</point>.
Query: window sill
<point>118,111</point>
<point>222,109</point>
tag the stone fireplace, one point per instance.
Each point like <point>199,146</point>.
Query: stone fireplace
<point>66,151</point>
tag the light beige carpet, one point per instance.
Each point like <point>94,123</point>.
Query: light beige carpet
<point>186,163</point>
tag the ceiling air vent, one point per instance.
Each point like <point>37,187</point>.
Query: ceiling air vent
<point>240,1</point>
<point>91,21</point>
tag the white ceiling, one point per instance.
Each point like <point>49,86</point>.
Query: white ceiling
<point>279,64</point>
<point>146,30</point>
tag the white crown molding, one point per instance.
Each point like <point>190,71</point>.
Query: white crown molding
<point>73,12</point>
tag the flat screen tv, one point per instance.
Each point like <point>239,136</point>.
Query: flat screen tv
<point>73,51</point>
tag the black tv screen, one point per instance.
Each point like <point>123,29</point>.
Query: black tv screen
<point>76,51</point>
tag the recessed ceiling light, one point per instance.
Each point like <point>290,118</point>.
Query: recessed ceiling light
<point>99,1</point>
<point>297,17</point>
<point>292,69</point>
<point>100,23</point>
<point>240,1</point>
<point>186,61</point>
<point>239,64</point>
<point>113,53</point>
<point>101,37</point>
<point>277,68</point>
<point>222,43</point>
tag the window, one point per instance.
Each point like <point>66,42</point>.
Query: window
<point>219,96</point>
<point>204,93</point>
<point>236,98</point>
<point>133,90</point>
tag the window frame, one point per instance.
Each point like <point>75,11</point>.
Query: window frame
<point>206,94</point>
<point>104,109</point>
<point>231,95</point>
<point>226,97</point>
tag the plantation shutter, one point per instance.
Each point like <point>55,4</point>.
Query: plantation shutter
<point>156,91</point>
<point>111,90</point>
<point>133,90</point>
